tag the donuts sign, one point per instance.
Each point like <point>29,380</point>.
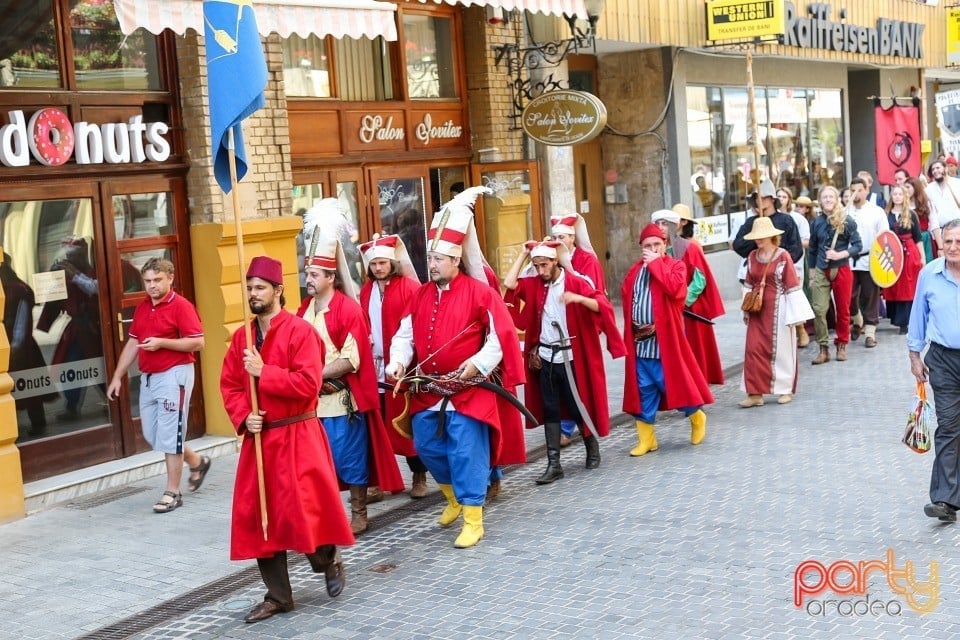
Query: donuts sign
<point>52,140</point>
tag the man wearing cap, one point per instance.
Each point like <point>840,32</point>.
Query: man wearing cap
<point>865,298</point>
<point>391,283</point>
<point>349,406</point>
<point>767,203</point>
<point>703,295</point>
<point>571,230</point>
<point>458,329</point>
<point>561,318</point>
<point>304,511</point>
<point>164,335</point>
<point>661,370</point>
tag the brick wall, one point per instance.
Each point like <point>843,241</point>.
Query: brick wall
<point>266,189</point>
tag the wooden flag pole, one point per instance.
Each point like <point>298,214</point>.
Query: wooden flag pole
<point>247,331</point>
<point>754,128</point>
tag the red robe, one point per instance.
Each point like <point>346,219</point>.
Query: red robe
<point>709,304</point>
<point>587,264</point>
<point>906,285</point>
<point>344,317</point>
<point>584,326</point>
<point>467,303</point>
<point>683,379</point>
<point>396,295</point>
<point>304,509</point>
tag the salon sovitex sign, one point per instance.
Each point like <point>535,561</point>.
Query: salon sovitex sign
<point>565,117</point>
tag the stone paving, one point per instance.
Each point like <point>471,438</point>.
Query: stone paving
<point>685,542</point>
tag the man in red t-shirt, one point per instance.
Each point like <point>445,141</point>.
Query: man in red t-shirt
<point>164,335</point>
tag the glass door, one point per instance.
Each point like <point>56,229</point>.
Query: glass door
<point>402,205</point>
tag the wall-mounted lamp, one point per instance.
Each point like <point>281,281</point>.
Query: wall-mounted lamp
<point>546,54</point>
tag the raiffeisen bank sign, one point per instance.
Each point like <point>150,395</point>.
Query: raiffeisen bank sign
<point>815,29</point>
<point>51,139</point>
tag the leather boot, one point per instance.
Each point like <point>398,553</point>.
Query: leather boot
<point>419,488</point>
<point>803,339</point>
<point>824,355</point>
<point>452,511</point>
<point>646,439</point>
<point>698,426</point>
<point>551,432</point>
<point>493,489</point>
<point>472,530</point>
<point>841,351</point>
<point>358,508</point>
<point>593,452</point>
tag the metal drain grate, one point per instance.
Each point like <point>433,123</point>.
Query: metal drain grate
<point>176,607</point>
<point>104,497</point>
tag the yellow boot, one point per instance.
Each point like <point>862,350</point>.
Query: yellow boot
<point>698,426</point>
<point>472,527</point>
<point>452,511</point>
<point>646,439</point>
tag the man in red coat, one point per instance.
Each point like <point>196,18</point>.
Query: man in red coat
<point>661,370</point>
<point>391,283</point>
<point>304,511</point>
<point>561,316</point>
<point>703,295</point>
<point>349,405</point>
<point>458,329</point>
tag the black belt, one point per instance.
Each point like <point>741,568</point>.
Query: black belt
<point>937,344</point>
<point>555,347</point>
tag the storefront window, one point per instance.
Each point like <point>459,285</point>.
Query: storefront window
<point>106,59</point>
<point>52,316</point>
<point>403,212</point>
<point>28,45</point>
<point>103,58</point>
<point>363,69</point>
<point>429,54</point>
<point>143,215</point>
<point>306,68</point>
<point>801,143</point>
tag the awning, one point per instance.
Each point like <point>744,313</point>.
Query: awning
<point>547,7</point>
<point>337,18</point>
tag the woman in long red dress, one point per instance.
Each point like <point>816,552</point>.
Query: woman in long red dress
<point>905,223</point>
<point>770,352</point>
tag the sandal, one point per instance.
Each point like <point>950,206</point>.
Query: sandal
<point>194,483</point>
<point>163,507</point>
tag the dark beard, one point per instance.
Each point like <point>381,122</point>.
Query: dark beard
<point>940,178</point>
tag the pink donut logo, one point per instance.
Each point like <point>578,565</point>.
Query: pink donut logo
<point>51,137</point>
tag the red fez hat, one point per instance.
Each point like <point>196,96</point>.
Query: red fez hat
<point>266,268</point>
<point>652,231</point>
<point>951,160</point>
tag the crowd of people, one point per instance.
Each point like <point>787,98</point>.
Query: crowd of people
<point>328,398</point>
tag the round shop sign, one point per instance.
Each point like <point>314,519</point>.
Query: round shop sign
<point>565,117</point>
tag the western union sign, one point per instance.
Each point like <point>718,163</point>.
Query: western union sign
<point>738,19</point>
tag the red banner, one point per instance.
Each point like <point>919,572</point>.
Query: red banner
<point>897,142</point>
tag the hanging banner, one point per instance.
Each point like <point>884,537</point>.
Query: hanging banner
<point>948,119</point>
<point>897,141</point>
<point>953,35</point>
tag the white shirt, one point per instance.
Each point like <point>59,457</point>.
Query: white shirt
<point>554,310</point>
<point>376,328</point>
<point>803,226</point>
<point>871,221</point>
<point>945,199</point>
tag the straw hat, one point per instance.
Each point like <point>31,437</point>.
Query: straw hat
<point>762,228</point>
<point>803,201</point>
<point>683,211</point>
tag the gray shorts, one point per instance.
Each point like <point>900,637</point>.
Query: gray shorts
<point>164,404</point>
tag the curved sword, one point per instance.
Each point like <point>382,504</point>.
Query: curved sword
<point>483,384</point>
<point>565,341</point>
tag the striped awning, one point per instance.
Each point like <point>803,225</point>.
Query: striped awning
<point>547,7</point>
<point>337,18</point>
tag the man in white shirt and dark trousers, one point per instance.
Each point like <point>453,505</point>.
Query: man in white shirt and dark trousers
<point>865,301</point>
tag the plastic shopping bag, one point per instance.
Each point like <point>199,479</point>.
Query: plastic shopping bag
<point>917,434</point>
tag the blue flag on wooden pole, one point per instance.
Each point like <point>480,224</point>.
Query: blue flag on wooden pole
<point>236,78</point>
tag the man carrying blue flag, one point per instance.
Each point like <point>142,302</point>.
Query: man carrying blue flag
<point>236,77</point>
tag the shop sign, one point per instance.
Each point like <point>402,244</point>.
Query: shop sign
<point>815,30</point>
<point>374,127</point>
<point>565,117</point>
<point>739,19</point>
<point>953,35</point>
<point>948,118</point>
<point>51,139</point>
